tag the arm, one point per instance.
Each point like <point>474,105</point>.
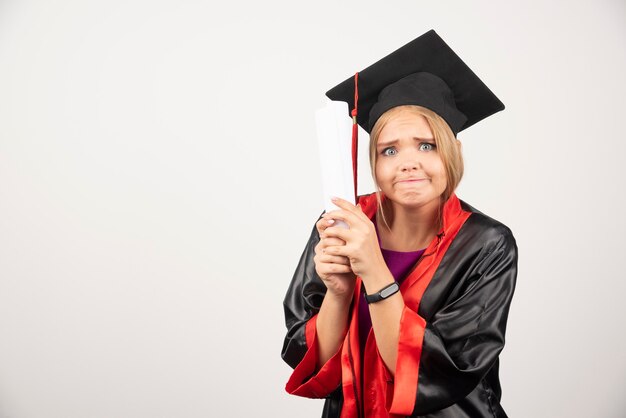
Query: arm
<point>316,321</point>
<point>385,315</point>
<point>363,252</point>
<point>332,326</point>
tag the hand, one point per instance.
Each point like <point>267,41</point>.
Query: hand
<point>334,270</point>
<point>359,242</point>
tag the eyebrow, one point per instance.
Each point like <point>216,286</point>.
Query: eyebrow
<point>395,141</point>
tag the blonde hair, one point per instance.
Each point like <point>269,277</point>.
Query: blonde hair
<point>445,142</point>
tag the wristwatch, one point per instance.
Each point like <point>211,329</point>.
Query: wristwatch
<point>384,293</point>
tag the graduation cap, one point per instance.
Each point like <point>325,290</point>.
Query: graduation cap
<point>425,72</point>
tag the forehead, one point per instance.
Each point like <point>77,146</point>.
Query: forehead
<point>405,124</point>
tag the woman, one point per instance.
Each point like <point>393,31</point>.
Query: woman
<point>404,313</point>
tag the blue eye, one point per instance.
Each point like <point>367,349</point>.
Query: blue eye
<point>389,151</point>
<point>427,146</point>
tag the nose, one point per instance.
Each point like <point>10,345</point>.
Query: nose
<point>410,162</point>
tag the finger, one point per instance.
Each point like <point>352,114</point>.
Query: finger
<point>338,250</point>
<point>328,258</point>
<point>361,214</point>
<point>352,218</point>
<point>343,203</point>
<point>318,249</point>
<point>323,256</point>
<point>342,214</point>
<point>357,210</point>
<point>327,240</point>
<point>323,223</point>
<point>348,206</point>
<point>332,268</point>
<point>337,233</point>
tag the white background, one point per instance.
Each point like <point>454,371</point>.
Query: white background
<point>159,178</point>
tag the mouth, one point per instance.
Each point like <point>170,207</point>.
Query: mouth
<point>411,181</point>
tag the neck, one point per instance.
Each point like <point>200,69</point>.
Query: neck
<point>412,228</point>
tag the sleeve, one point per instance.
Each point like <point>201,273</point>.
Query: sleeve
<point>449,355</point>
<point>301,304</point>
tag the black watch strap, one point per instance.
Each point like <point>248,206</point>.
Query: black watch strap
<point>383,293</point>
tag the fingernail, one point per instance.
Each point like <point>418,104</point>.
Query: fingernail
<point>334,198</point>
<point>330,221</point>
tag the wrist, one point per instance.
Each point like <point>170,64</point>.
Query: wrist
<point>340,298</point>
<point>377,280</point>
<point>383,293</point>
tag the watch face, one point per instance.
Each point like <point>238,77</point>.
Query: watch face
<point>389,291</point>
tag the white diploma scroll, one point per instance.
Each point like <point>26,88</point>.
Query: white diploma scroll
<point>334,133</point>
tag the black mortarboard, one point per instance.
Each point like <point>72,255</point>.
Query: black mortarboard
<point>424,72</point>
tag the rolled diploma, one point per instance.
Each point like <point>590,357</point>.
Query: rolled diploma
<point>334,134</point>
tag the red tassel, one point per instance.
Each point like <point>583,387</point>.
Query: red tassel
<point>355,134</point>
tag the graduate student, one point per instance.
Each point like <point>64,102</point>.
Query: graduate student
<point>404,312</point>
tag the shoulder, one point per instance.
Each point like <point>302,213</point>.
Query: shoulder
<point>483,228</point>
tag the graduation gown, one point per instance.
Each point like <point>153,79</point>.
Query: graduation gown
<point>452,328</point>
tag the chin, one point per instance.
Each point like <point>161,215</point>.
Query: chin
<point>412,199</point>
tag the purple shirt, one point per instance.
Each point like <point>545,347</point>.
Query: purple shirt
<point>400,264</point>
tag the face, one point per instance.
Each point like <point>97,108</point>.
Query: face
<point>409,169</point>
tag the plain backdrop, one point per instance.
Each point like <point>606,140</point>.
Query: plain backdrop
<point>159,177</point>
